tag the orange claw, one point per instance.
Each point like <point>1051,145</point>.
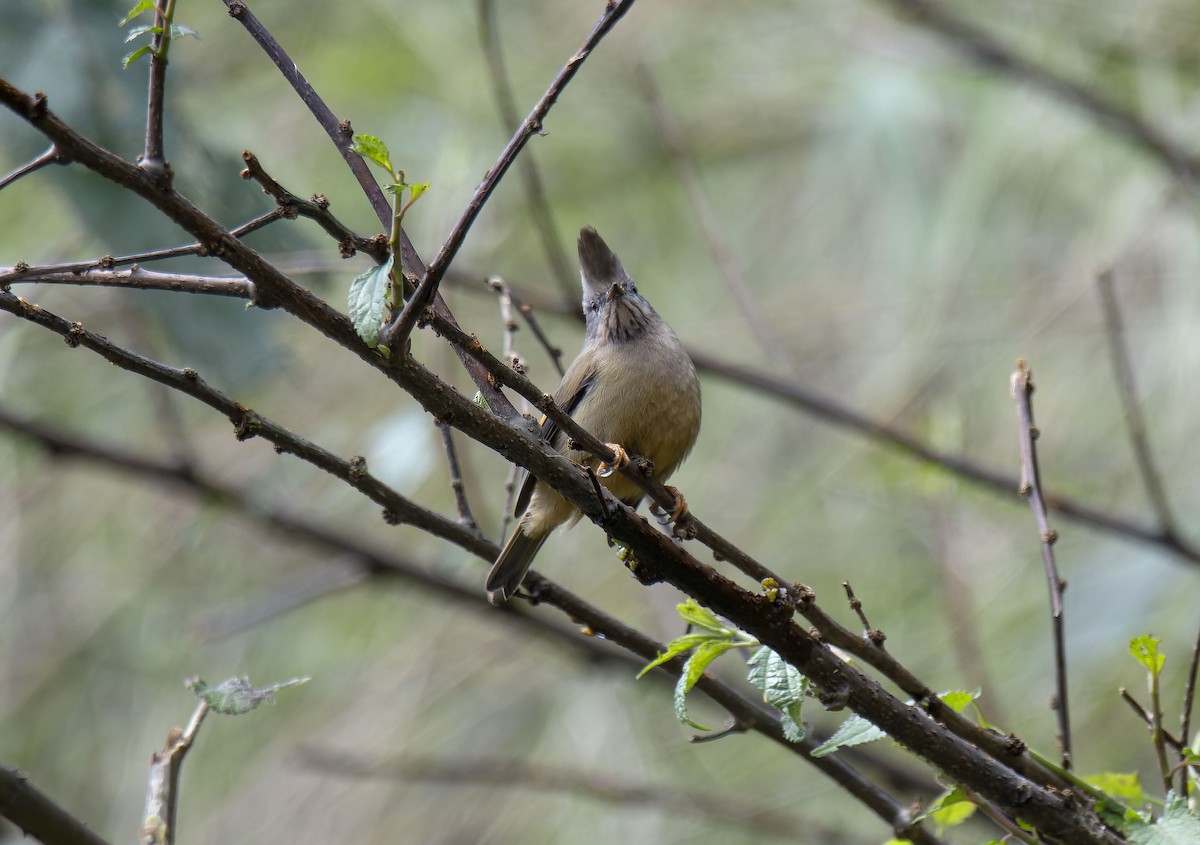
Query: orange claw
<point>606,469</point>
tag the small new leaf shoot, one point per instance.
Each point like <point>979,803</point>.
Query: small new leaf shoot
<point>236,696</point>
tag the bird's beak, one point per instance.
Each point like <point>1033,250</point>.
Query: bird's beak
<point>616,290</point>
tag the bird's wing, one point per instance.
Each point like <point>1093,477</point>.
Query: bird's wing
<point>568,399</point>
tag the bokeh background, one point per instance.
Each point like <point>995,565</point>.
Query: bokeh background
<point>909,225</point>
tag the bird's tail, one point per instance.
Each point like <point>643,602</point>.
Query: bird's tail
<point>509,569</point>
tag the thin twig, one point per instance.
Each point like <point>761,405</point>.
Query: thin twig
<point>153,160</point>
<point>22,271</point>
<point>456,481</point>
<point>1136,422</point>
<point>688,174</point>
<point>1148,717</point>
<point>396,335</point>
<point>162,791</point>
<point>1185,717</point>
<point>316,209</point>
<point>873,635</point>
<point>50,156</point>
<point>36,815</point>
<point>531,177</point>
<point>1031,489</point>
<point>510,303</point>
<point>138,279</point>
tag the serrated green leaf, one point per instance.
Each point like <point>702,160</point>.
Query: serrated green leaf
<point>236,696</point>
<point>181,31</point>
<point>1145,651</point>
<point>854,731</point>
<point>142,30</point>
<point>418,189</point>
<point>370,295</point>
<point>958,699</point>
<point>701,617</point>
<point>1178,825</point>
<point>373,150</point>
<point>681,712</point>
<point>130,58</point>
<point>143,6</point>
<point>783,687</point>
<point>674,648</point>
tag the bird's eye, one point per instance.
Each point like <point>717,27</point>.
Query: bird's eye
<point>632,287</point>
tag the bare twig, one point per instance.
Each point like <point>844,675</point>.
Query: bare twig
<point>397,333</point>
<point>50,156</point>
<point>531,177</point>
<point>516,774</point>
<point>1148,717</point>
<point>509,302</point>
<point>1185,716</point>
<point>873,635</point>
<point>152,159</point>
<point>316,209</point>
<point>456,481</point>
<point>138,279</point>
<point>38,816</point>
<point>1031,488</point>
<point>1134,420</point>
<point>162,791</point>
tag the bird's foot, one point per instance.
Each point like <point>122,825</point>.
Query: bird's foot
<point>606,469</point>
<point>680,510</point>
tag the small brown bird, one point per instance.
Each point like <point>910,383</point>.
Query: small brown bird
<point>632,386</point>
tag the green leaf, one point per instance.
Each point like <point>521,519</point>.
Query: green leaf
<point>1177,826</point>
<point>952,808</point>
<point>483,403</point>
<point>958,699</point>
<point>142,30</point>
<point>854,731</point>
<point>675,648</point>
<point>1123,786</point>
<point>417,190</point>
<point>701,617</point>
<point>130,58</point>
<point>783,687</point>
<point>181,31</point>
<point>143,6</point>
<point>681,712</point>
<point>373,150</point>
<point>236,696</point>
<point>1145,651</point>
<point>370,295</point>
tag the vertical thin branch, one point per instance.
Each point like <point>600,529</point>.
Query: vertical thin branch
<point>505,299</point>
<point>531,177</point>
<point>1114,332</point>
<point>153,159</point>
<point>1185,718</point>
<point>162,791</point>
<point>456,480</point>
<point>396,335</point>
<point>688,174</point>
<point>1031,489</point>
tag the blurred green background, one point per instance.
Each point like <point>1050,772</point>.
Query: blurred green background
<point>909,225</point>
